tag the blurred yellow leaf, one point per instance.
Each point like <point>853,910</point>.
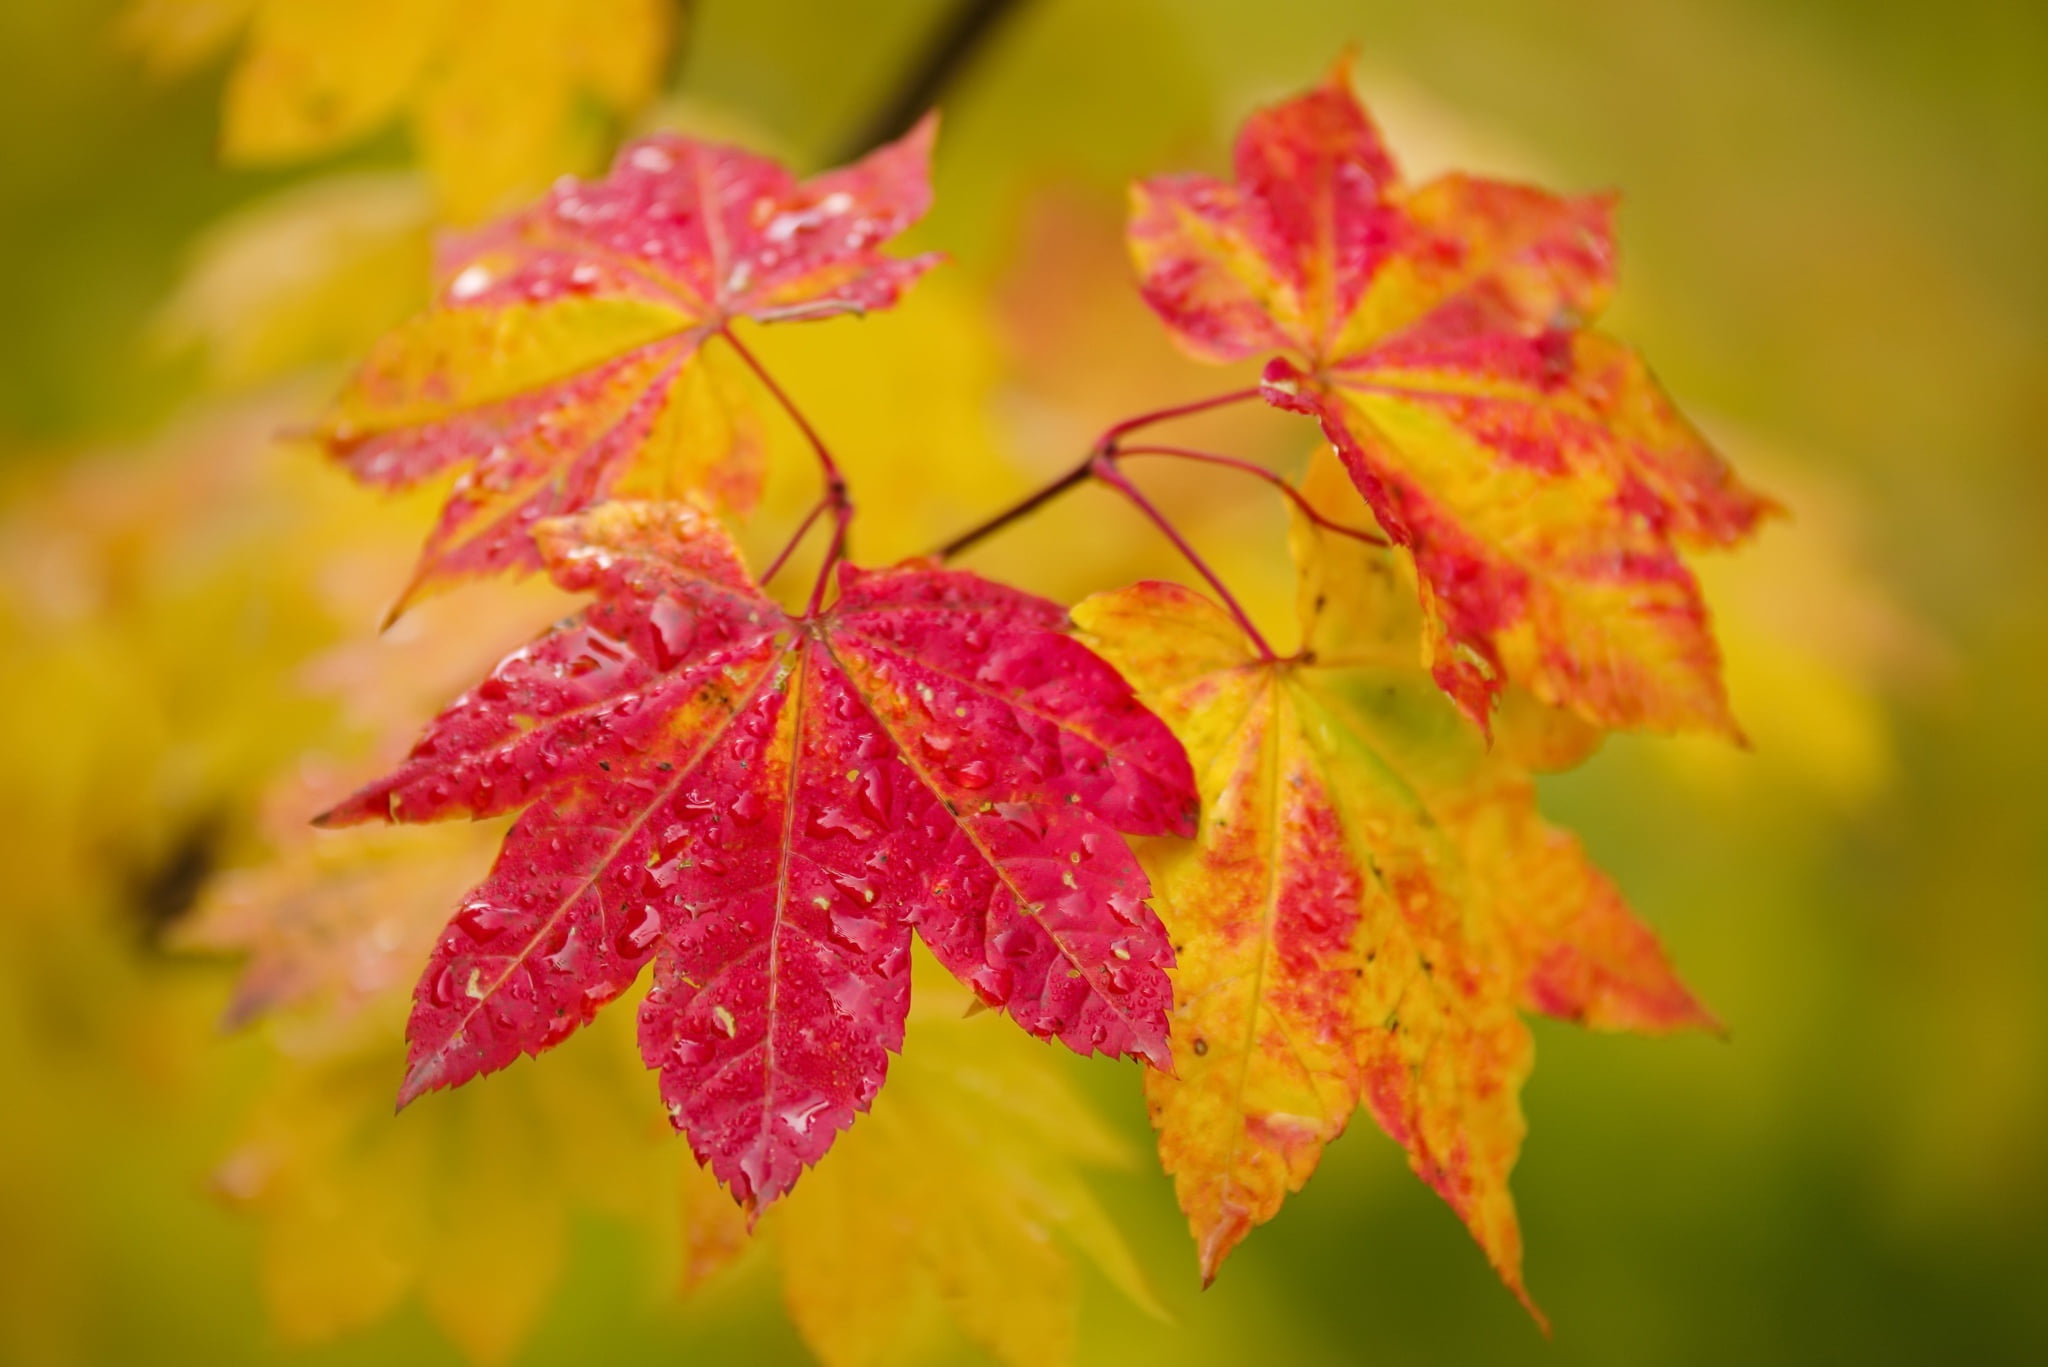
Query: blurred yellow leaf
<point>464,1201</point>
<point>311,275</point>
<point>963,1181</point>
<point>333,922</point>
<point>495,94</point>
<point>152,603</point>
<point>1814,643</point>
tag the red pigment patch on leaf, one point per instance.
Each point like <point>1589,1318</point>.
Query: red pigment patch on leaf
<point>1371,897</point>
<point>767,807</point>
<point>1589,960</point>
<point>564,359</point>
<point>1540,477</point>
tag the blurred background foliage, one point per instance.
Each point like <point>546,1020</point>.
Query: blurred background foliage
<point>1832,227</point>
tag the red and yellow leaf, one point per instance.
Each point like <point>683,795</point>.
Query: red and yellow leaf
<point>564,360</point>
<point>767,806</point>
<point>1539,476</point>
<point>1369,900</point>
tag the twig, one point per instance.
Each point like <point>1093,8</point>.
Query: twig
<point>1104,469</point>
<point>835,498</point>
<point>795,539</point>
<point>1257,471</point>
<point>835,482</point>
<point>950,51</point>
<point>1104,444</point>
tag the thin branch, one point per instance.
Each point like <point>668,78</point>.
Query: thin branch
<point>1294,495</point>
<point>683,33</point>
<point>841,515</point>
<point>1106,471</point>
<point>1078,475</point>
<point>1104,444</point>
<point>795,539</point>
<point>1111,434</point>
<point>835,482</point>
<point>949,52</point>
<point>835,498</point>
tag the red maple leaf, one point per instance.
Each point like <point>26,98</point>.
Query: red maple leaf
<point>563,360</point>
<point>766,806</point>
<point>1538,474</point>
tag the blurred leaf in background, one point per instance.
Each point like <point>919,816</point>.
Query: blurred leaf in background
<point>498,99</point>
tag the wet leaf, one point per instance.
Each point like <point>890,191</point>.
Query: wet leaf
<point>565,358</point>
<point>766,806</point>
<point>1371,897</point>
<point>1441,335</point>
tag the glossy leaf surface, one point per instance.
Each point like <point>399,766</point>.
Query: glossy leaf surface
<point>766,807</point>
<point>1371,897</point>
<point>1440,334</point>
<point>569,354</point>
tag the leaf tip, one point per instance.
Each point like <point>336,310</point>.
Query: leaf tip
<point>424,1072</point>
<point>1343,68</point>
<point>355,810</point>
<point>1215,1243</point>
<point>1535,1310</point>
<point>924,133</point>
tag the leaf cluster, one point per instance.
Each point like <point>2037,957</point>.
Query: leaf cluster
<point>1291,884</point>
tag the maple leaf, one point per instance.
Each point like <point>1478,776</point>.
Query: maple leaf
<point>965,1181</point>
<point>1538,474</point>
<point>1371,897</point>
<point>310,275</point>
<point>468,1210</point>
<point>497,98</point>
<point>767,806</point>
<point>564,360</point>
<point>328,926</point>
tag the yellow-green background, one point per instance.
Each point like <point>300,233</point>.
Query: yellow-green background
<point>1834,253</point>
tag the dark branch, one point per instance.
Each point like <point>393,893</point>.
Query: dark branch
<point>965,33</point>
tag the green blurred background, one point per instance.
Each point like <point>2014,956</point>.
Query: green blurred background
<point>1833,230</point>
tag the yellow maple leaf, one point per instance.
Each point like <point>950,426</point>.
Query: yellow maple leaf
<point>1369,901</point>
<point>497,97</point>
<point>307,276</point>
<point>964,1182</point>
<point>465,1205</point>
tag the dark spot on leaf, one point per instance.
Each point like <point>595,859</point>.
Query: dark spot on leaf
<point>161,892</point>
